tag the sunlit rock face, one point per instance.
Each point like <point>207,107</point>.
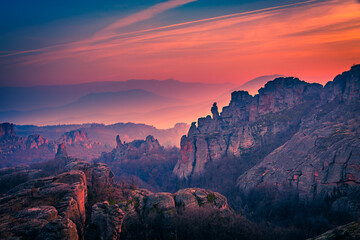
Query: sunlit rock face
<point>34,204</point>
<point>244,125</point>
<point>62,196</point>
<point>292,134</point>
<point>36,141</point>
<point>325,152</point>
<point>76,137</point>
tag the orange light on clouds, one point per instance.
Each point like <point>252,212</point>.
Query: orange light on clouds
<point>313,41</point>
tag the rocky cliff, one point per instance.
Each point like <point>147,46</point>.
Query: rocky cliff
<point>247,124</point>
<point>50,207</point>
<point>76,137</point>
<point>291,135</point>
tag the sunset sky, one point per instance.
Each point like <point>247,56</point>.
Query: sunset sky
<point>62,42</point>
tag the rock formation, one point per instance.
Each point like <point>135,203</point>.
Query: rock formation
<point>76,137</point>
<point>70,205</point>
<point>291,135</point>
<point>325,152</point>
<point>35,141</point>
<point>164,208</point>
<point>7,130</point>
<point>245,125</point>
<point>106,222</point>
<point>61,151</point>
<point>52,207</point>
<point>144,162</point>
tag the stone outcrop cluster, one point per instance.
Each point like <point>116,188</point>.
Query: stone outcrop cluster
<point>292,134</point>
<point>15,150</point>
<point>51,207</point>
<point>76,137</point>
<point>164,208</point>
<point>67,206</point>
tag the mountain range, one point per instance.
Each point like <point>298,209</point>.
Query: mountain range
<point>153,102</point>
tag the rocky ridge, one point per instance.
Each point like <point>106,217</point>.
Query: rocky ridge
<point>70,205</point>
<point>291,135</point>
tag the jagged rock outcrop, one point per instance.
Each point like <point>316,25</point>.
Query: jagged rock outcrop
<point>124,152</point>
<point>325,152</point>
<point>143,162</point>
<point>59,229</point>
<point>54,207</point>
<point>164,208</point>
<point>7,130</point>
<point>98,175</point>
<point>119,144</point>
<point>62,196</point>
<point>76,137</point>
<point>61,151</point>
<point>106,222</point>
<point>245,126</point>
<point>35,141</point>
<point>291,135</point>
<point>350,231</point>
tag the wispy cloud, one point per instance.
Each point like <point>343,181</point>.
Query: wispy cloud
<point>296,37</point>
<point>141,16</point>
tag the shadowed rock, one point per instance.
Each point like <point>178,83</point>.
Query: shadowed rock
<point>106,222</point>
<point>61,151</point>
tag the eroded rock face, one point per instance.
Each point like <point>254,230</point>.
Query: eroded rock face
<point>163,209</point>
<point>244,126</point>
<point>325,152</point>
<point>54,207</point>
<point>106,222</point>
<point>59,229</point>
<point>7,130</point>
<point>61,151</point>
<point>292,135</point>
<point>76,137</point>
<point>64,196</point>
<point>35,141</point>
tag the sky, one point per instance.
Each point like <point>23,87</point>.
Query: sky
<point>64,42</point>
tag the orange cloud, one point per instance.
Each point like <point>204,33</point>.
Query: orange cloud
<point>313,40</point>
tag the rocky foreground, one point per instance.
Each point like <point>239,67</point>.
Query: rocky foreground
<point>81,201</point>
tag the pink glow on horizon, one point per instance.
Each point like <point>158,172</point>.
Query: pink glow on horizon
<point>313,41</point>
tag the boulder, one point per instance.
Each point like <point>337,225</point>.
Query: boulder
<point>106,222</point>
<point>59,229</point>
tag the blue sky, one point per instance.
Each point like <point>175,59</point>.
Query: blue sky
<point>24,22</point>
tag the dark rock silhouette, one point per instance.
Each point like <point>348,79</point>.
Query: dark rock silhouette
<point>7,130</point>
<point>106,222</point>
<point>61,152</point>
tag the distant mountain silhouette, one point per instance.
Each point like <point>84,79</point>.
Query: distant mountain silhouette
<point>94,107</point>
<point>30,98</point>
